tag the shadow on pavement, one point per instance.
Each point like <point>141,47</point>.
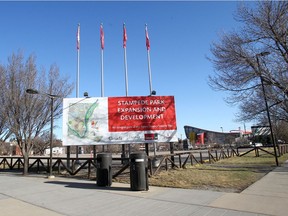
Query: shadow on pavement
<point>81,185</point>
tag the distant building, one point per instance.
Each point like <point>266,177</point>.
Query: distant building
<point>55,151</point>
<point>261,135</point>
<point>202,137</point>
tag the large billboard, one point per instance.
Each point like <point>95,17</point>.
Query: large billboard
<point>119,120</point>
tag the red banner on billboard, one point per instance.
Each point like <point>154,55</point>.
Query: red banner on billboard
<point>143,113</point>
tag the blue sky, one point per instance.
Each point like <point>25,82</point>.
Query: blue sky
<point>181,34</point>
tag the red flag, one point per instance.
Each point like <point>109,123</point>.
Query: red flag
<point>78,38</point>
<point>102,36</point>
<point>147,38</point>
<point>124,36</point>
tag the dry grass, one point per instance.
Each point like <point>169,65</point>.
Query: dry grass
<point>207,177</point>
<point>233,174</point>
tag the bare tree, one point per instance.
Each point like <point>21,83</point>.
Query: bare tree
<point>257,50</point>
<point>28,115</point>
<point>281,129</point>
<point>41,143</point>
<point>4,132</point>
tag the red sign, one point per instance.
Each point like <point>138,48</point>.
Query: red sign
<point>143,113</point>
<point>151,136</point>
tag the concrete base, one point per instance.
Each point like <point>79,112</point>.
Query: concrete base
<point>50,177</point>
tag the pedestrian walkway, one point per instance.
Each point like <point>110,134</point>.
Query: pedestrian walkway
<point>36,195</point>
<point>269,195</point>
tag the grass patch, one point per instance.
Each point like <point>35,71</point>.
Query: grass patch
<point>230,175</point>
<point>206,177</point>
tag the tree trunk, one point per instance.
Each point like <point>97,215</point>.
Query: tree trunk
<point>26,163</point>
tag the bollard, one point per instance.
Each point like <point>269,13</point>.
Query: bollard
<point>139,172</point>
<point>104,172</point>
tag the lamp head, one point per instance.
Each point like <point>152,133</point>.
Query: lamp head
<point>86,94</point>
<point>153,92</point>
<point>32,91</point>
<point>264,53</point>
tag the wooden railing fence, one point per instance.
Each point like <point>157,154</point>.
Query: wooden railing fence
<point>155,163</point>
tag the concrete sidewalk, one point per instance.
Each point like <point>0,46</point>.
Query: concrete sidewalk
<point>269,195</point>
<point>37,195</point>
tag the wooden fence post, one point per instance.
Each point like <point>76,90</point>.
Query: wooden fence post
<point>172,152</point>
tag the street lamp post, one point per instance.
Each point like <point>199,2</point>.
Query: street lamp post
<point>51,138</point>
<point>266,104</point>
<point>52,97</point>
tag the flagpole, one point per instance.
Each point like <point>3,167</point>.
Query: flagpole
<point>78,61</point>
<point>102,59</point>
<point>102,73</point>
<point>125,59</point>
<point>149,71</point>
<point>78,75</point>
<point>148,58</point>
<point>102,65</point>
<point>126,72</point>
<point>150,80</point>
<point>126,84</point>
